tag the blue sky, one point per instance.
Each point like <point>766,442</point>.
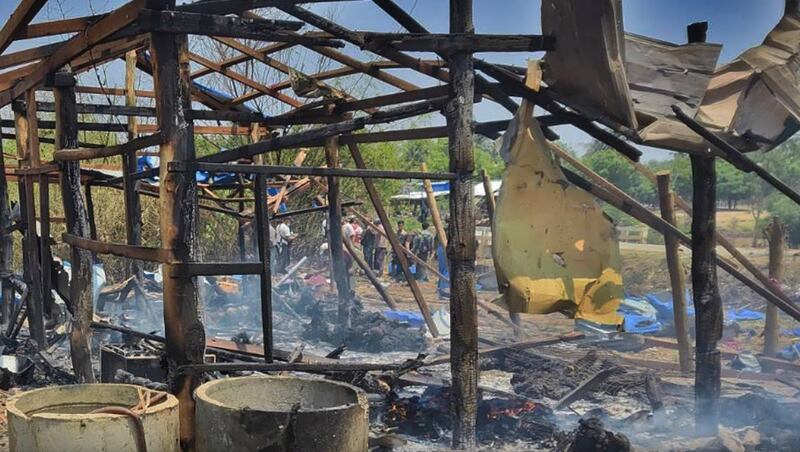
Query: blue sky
<point>737,24</point>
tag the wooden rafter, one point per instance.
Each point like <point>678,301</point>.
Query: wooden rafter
<point>20,18</point>
<point>57,27</point>
<point>245,80</point>
<point>77,45</point>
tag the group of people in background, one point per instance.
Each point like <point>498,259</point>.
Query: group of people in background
<point>373,242</point>
<point>375,247</point>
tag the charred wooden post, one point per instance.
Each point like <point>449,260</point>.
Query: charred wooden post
<point>45,254</point>
<point>776,237</point>
<point>90,210</point>
<point>338,268</point>
<point>80,288</point>
<point>28,155</point>
<point>133,210</point>
<point>707,301</point>
<point>265,277</point>
<point>434,208</point>
<point>667,202</point>
<point>461,249</point>
<point>178,209</point>
<point>6,243</point>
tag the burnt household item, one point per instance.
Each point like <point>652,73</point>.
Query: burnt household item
<point>280,414</point>
<point>135,360</point>
<point>15,371</point>
<point>60,419</point>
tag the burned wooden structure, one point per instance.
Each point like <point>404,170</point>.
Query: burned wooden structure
<point>152,37</point>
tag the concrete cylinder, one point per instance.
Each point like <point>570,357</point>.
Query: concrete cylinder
<point>281,414</point>
<point>57,419</point>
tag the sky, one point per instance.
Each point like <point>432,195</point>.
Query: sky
<point>737,24</point>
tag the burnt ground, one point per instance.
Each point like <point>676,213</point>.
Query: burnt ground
<point>520,388</point>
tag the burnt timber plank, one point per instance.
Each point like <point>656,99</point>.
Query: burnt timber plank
<point>57,27</point>
<point>142,253</point>
<point>110,151</point>
<point>274,170</point>
<point>457,42</point>
<point>236,6</point>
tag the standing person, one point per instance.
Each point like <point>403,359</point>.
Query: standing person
<point>357,230</point>
<point>402,237</point>
<point>368,245</point>
<point>380,249</point>
<point>273,248</point>
<point>423,247</point>
<point>348,230</point>
<point>285,238</point>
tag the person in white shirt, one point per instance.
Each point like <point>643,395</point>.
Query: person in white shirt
<point>284,240</point>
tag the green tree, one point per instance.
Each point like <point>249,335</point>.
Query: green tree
<point>612,166</point>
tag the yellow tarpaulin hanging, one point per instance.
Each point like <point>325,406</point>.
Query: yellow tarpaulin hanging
<point>554,249</point>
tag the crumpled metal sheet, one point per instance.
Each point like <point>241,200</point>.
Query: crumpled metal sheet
<point>661,74</point>
<point>752,102</point>
<point>554,249</point>
<point>587,69</point>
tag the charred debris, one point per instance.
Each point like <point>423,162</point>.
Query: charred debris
<point>176,320</point>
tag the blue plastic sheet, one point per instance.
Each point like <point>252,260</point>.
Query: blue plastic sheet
<point>732,315</point>
<point>442,285</point>
<point>662,301</point>
<point>413,319</point>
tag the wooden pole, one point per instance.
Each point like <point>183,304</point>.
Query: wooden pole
<point>90,210</point>
<point>133,210</point>
<point>776,237</point>
<point>80,288</point>
<point>461,249</point>
<point>338,267</point>
<point>707,301</point>
<point>398,249</point>
<point>28,155</point>
<point>262,238</point>
<point>434,208</point>
<point>178,212</point>
<point>490,201</point>
<point>6,243</point>
<point>671,244</point>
